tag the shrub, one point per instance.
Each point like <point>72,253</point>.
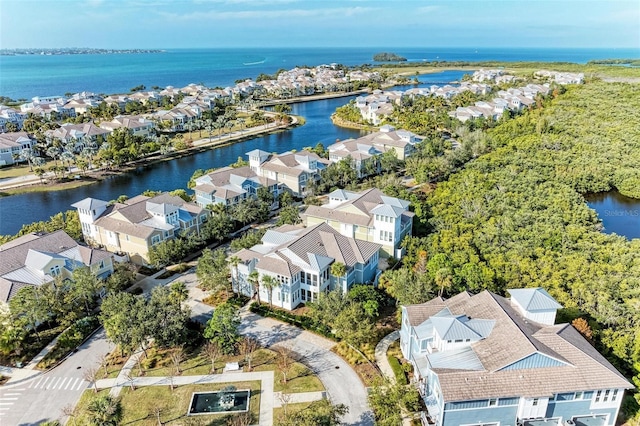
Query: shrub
<point>301,321</point>
<point>401,378</point>
<point>68,340</point>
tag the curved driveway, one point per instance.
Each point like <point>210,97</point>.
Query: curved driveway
<point>342,384</point>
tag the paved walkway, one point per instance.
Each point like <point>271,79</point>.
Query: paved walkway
<point>381,354</point>
<point>265,377</point>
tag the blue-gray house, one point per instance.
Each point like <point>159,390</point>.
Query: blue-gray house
<point>485,360</point>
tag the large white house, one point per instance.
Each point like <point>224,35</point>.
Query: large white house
<point>368,216</point>
<point>485,360</point>
<point>299,260</point>
<point>38,258</point>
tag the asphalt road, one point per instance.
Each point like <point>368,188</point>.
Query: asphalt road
<point>43,397</point>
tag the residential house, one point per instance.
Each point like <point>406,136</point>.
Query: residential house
<point>293,171</point>
<point>10,115</point>
<point>177,118</point>
<point>363,156</point>
<point>12,144</point>
<point>38,258</point>
<point>229,186</point>
<point>388,138</point>
<point>487,360</point>
<point>139,125</point>
<point>79,134</point>
<point>368,216</point>
<point>48,107</point>
<point>299,260</point>
<point>131,228</point>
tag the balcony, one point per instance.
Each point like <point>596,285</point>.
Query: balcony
<point>541,422</point>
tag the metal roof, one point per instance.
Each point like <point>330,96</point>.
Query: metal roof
<point>534,299</point>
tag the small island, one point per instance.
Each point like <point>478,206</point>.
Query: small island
<point>388,57</point>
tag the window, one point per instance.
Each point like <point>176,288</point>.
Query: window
<point>578,395</point>
<point>535,402</point>
<point>55,270</point>
<point>155,239</point>
<point>598,395</point>
<point>615,395</point>
<point>493,402</point>
<point>606,396</point>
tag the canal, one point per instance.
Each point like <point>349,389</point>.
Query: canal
<point>17,210</point>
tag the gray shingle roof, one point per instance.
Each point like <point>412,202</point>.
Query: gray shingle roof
<point>511,339</point>
<point>39,248</point>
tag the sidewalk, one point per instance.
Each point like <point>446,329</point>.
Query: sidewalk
<point>381,354</point>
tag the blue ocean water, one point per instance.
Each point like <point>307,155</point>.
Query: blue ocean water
<point>42,75</point>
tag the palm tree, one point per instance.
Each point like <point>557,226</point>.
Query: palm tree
<point>241,122</point>
<point>210,127</point>
<point>54,152</point>
<point>67,157</point>
<point>179,293</point>
<point>254,280</point>
<point>27,154</point>
<point>269,283</point>
<point>105,410</point>
<point>234,261</point>
<point>338,270</point>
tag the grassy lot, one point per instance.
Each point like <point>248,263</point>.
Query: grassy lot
<point>278,413</point>
<point>300,378</point>
<point>139,405</point>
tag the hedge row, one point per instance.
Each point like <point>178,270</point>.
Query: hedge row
<point>398,371</point>
<point>69,339</point>
<point>301,321</point>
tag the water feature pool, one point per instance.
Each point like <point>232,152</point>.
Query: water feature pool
<point>222,401</point>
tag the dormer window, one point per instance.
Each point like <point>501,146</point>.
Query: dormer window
<point>55,270</point>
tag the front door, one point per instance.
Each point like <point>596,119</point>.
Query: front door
<point>532,408</point>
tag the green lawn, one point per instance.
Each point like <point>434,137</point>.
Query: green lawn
<point>139,405</point>
<point>278,413</point>
<point>299,378</point>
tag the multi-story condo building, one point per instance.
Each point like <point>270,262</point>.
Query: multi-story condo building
<point>487,360</point>
<point>368,216</point>
<point>229,186</point>
<point>299,260</point>
<point>37,258</point>
<point>293,171</point>
<point>12,144</point>
<point>132,228</point>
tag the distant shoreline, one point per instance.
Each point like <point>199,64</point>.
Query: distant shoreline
<point>74,51</point>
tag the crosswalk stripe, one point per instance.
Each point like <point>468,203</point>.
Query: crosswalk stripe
<point>7,403</point>
<point>36,385</point>
<point>63,380</point>
<point>12,394</point>
<point>68,383</point>
<point>8,399</point>
<point>74,383</point>
<point>53,385</point>
<point>81,384</point>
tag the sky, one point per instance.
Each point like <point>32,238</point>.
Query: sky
<point>319,23</point>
